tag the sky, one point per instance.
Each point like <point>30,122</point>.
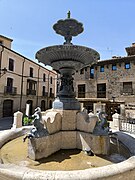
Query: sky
<point>109,25</point>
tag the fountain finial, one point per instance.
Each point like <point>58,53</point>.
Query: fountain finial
<point>68,14</point>
<point>68,28</point>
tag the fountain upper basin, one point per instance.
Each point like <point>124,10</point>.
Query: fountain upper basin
<point>67,55</point>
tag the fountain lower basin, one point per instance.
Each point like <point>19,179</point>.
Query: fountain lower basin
<point>115,171</point>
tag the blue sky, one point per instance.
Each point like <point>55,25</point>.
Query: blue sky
<point>109,25</point>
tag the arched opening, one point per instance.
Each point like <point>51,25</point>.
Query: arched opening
<point>43,105</point>
<point>8,108</point>
<point>50,104</point>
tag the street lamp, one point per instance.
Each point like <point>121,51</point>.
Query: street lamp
<point>3,71</point>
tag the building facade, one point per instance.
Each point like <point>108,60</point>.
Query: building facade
<point>22,81</point>
<point>109,81</point>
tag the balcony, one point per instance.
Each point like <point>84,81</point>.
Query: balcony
<point>45,94</point>
<point>51,95</point>
<point>31,92</point>
<point>10,90</point>
<point>81,94</point>
<point>101,94</point>
<point>127,92</point>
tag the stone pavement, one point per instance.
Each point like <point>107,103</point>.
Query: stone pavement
<point>6,123</point>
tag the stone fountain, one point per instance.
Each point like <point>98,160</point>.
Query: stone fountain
<point>67,58</point>
<point>65,126</point>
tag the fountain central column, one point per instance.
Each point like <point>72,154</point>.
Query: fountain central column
<point>66,92</point>
<point>66,87</point>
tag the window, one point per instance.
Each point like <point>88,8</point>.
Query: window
<point>127,65</point>
<point>81,91</point>
<point>101,90</point>
<point>92,72</point>
<point>127,88</point>
<point>51,94</point>
<point>31,72</point>
<point>43,105</point>
<point>82,71</point>
<point>1,42</point>
<point>11,64</point>
<point>44,78</point>
<point>43,91</point>
<point>31,87</point>
<point>9,89</point>
<point>114,67</point>
<point>51,80</point>
<point>9,84</point>
<point>101,68</point>
<point>86,69</point>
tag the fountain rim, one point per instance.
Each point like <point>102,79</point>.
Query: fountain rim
<point>15,171</point>
<point>67,52</point>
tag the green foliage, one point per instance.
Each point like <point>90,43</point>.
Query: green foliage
<point>27,121</point>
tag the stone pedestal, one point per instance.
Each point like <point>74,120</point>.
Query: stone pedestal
<point>73,130</point>
<point>17,123</point>
<point>27,113</point>
<point>115,123</point>
<point>122,110</point>
<point>43,147</point>
<point>69,120</point>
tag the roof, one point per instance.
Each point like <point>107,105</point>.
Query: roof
<point>1,36</point>
<point>116,60</point>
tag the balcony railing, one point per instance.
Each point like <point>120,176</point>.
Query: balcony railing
<point>10,90</point>
<point>51,95</point>
<point>101,94</point>
<point>81,94</point>
<point>31,92</point>
<point>127,92</point>
<point>45,94</point>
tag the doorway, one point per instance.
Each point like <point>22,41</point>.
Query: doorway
<point>7,108</point>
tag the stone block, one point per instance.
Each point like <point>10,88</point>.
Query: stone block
<point>98,144</point>
<point>86,123</point>
<point>115,123</point>
<point>43,147</point>
<point>17,123</point>
<point>84,140</point>
<point>69,119</point>
<point>52,121</point>
<point>68,140</point>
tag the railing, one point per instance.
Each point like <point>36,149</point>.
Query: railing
<point>101,94</point>
<point>10,90</point>
<point>51,95</point>
<point>127,125</point>
<point>81,94</point>
<point>127,92</point>
<point>45,94</point>
<point>31,92</point>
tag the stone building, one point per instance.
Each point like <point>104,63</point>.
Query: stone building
<point>109,81</point>
<point>23,81</point>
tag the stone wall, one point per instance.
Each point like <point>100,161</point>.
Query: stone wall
<point>113,79</point>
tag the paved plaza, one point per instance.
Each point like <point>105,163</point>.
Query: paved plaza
<point>6,123</point>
